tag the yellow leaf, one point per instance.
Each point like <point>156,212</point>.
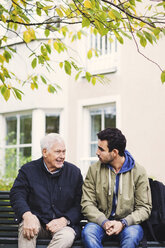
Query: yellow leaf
<point>61,64</point>
<point>32,33</point>
<point>9,86</point>
<point>56,46</point>
<point>94,80</point>
<point>26,36</point>
<point>87,4</point>
<point>59,12</point>
<point>2,59</point>
<point>32,86</point>
<point>111,15</point>
<point>3,18</point>
<point>29,35</point>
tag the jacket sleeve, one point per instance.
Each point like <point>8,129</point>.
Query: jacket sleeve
<point>89,203</point>
<point>19,195</point>
<point>143,203</point>
<point>74,213</point>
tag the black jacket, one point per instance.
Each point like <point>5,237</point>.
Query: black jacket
<point>46,195</point>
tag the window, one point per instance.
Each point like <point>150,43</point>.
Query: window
<point>100,119</point>
<point>94,115</point>
<point>52,123</point>
<point>18,142</point>
<point>102,45</point>
<point>104,53</point>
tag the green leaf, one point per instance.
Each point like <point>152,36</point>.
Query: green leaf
<point>43,80</point>
<point>156,31</point>
<point>67,67</point>
<point>5,92</point>
<point>51,88</point>
<point>93,80</point>
<point>48,47</point>
<point>132,2</point>
<point>43,51</point>
<point>12,49</point>
<point>85,22</point>
<point>88,76</point>
<point>119,38</point>
<point>143,41</point>
<point>34,63</point>
<point>2,78</point>
<point>163,76</point>
<point>148,37</point>
<point>18,93</point>
<point>7,56</point>
<point>77,75</point>
<point>38,11</point>
<point>117,14</point>
<point>47,32</point>
<point>89,54</point>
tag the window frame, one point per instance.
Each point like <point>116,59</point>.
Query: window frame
<point>18,145</point>
<point>83,135</point>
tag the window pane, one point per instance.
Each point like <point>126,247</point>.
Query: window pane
<point>24,155</point>
<point>110,116</point>
<point>95,124</point>
<point>25,129</point>
<point>52,124</point>
<point>11,130</point>
<point>93,150</point>
<point>10,159</point>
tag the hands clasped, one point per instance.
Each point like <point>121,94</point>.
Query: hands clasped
<point>112,227</point>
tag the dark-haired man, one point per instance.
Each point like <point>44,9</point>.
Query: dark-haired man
<point>116,194</point>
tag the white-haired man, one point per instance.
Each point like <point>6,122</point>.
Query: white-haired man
<point>46,197</point>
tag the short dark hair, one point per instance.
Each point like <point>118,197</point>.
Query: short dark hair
<point>115,138</point>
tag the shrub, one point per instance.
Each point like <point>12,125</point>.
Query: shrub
<point>6,184</point>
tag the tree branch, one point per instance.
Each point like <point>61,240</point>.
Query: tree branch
<point>128,14</point>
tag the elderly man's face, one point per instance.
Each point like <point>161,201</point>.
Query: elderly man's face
<point>54,158</point>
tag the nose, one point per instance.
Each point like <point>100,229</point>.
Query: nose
<point>97,152</point>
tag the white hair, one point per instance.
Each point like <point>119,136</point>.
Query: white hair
<point>48,140</point>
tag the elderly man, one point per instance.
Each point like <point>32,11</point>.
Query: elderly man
<point>46,197</point>
<point>116,194</point>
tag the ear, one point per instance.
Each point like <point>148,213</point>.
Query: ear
<point>116,152</point>
<point>44,152</point>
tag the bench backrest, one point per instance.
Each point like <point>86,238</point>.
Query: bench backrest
<point>8,226</point>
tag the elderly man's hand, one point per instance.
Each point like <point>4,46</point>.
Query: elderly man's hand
<point>56,224</point>
<point>30,225</point>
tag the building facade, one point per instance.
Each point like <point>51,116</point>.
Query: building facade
<point>132,99</point>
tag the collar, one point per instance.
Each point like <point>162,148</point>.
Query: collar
<point>54,172</point>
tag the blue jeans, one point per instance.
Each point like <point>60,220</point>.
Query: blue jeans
<point>93,234</point>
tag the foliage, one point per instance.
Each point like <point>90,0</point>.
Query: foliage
<point>30,20</point>
<point>6,183</point>
<point>11,163</point>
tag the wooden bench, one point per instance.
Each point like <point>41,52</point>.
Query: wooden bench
<point>9,233</point>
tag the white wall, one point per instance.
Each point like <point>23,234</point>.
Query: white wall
<point>142,108</point>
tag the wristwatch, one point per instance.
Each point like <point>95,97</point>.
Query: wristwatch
<point>123,222</point>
